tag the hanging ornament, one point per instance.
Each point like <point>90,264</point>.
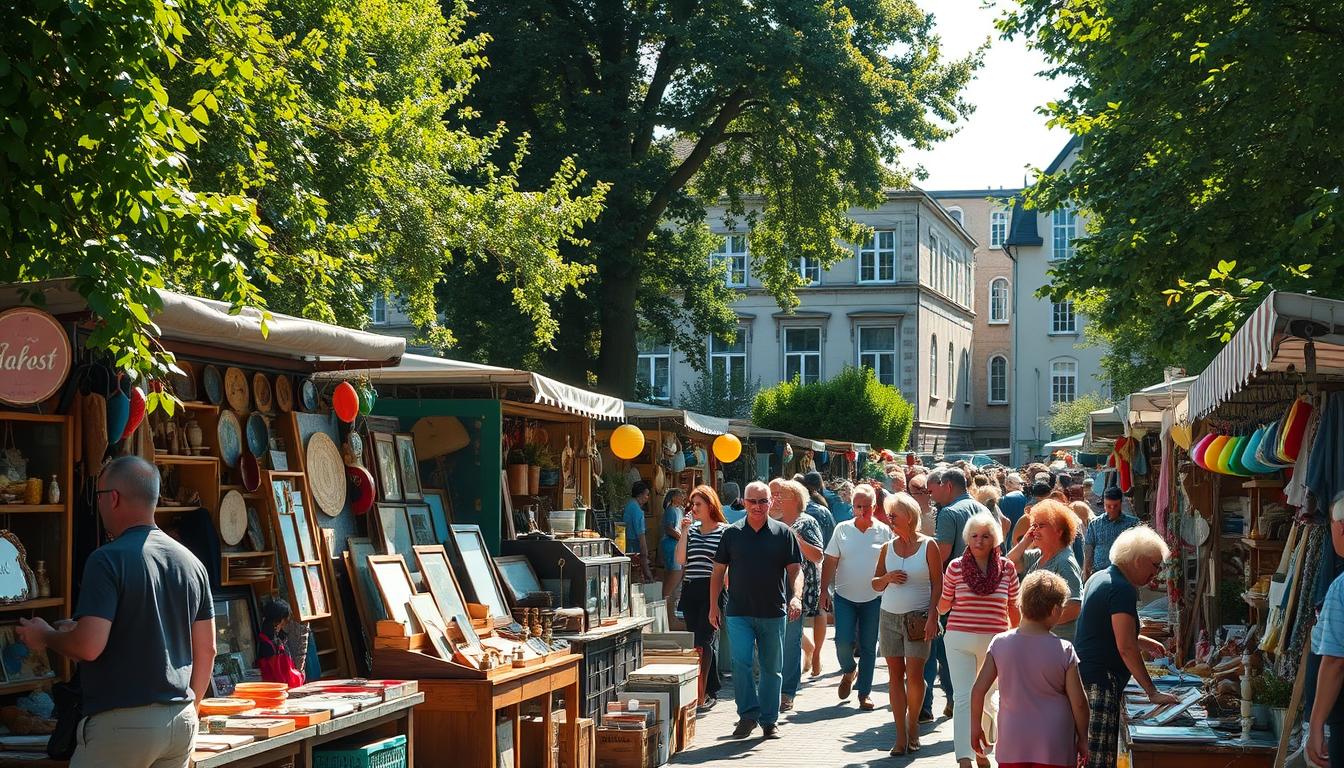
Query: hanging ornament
<point>627,441</point>
<point>727,448</point>
<point>345,401</point>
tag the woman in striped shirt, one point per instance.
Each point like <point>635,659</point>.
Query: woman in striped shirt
<point>980,597</point>
<point>701,528</point>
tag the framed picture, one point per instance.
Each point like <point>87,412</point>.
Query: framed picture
<point>280,490</point>
<point>395,527</point>
<point>440,512</point>
<point>518,577</point>
<point>447,594</point>
<point>425,614</point>
<point>360,548</point>
<point>506,507</point>
<point>480,582</point>
<point>303,606</point>
<point>317,589</point>
<point>394,585</point>
<point>389,472</point>
<point>236,623</point>
<point>279,461</point>
<point>410,469</point>
<point>290,536</point>
<point>422,524</point>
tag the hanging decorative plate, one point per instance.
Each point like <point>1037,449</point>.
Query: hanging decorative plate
<point>284,393</point>
<point>250,472</point>
<point>326,474</point>
<point>184,384</point>
<point>356,446</point>
<point>230,438</point>
<point>232,518</point>
<point>361,489</point>
<point>258,434</point>
<point>213,384</point>
<point>308,396</point>
<point>235,389</point>
<point>261,392</point>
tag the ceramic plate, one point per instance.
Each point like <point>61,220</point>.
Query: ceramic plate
<point>184,386</point>
<point>258,434</point>
<point>261,391</point>
<point>308,395</point>
<point>213,384</point>
<point>235,389</point>
<point>284,393</point>
<point>250,472</point>
<point>230,438</point>
<point>232,518</point>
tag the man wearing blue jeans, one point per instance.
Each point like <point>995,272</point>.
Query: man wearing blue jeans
<point>851,559</point>
<point>761,559</point>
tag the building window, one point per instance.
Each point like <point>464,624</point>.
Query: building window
<point>877,258</point>
<point>1062,319</point>
<point>965,381</point>
<point>378,310</point>
<point>733,250</point>
<point>935,267</point>
<point>957,215</point>
<point>933,367</point>
<point>654,373</point>
<point>1063,381</point>
<point>877,350</point>
<point>998,380</point>
<point>998,228</point>
<point>951,373</point>
<point>728,360</point>
<point>802,354</point>
<point>1063,228</point>
<point>809,269</point>
<point>998,300</point>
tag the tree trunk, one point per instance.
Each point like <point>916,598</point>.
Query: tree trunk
<point>619,323</point>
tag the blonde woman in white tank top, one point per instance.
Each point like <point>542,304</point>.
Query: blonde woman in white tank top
<point>909,574</point>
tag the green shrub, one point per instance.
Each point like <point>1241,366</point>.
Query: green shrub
<point>851,406</point>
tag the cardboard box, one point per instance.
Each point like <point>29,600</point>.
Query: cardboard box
<point>586,744</point>
<point>685,727</point>
<point>536,745</point>
<point>617,748</point>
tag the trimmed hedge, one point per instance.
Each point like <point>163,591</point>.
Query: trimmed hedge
<point>851,406</point>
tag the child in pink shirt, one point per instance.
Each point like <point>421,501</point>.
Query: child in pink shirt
<point>1042,706</point>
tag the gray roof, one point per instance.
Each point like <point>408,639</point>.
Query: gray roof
<point>978,194</point>
<point>1022,227</point>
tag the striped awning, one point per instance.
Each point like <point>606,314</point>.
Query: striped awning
<point>1273,339</point>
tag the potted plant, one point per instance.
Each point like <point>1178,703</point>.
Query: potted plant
<point>532,454</point>
<point>550,468</point>
<point>1275,693</point>
<point>517,471</point>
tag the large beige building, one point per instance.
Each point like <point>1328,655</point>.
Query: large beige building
<point>903,306</point>
<point>985,214</point>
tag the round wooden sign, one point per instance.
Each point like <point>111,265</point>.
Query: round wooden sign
<point>235,390</point>
<point>34,356</point>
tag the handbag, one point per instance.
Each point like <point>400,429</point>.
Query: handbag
<point>69,712</point>
<point>915,621</point>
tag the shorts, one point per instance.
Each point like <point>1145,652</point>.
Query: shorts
<point>670,555</point>
<point>892,641</point>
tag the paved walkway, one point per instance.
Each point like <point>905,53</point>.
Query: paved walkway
<point>821,731</point>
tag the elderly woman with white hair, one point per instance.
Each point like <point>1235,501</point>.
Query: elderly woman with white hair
<point>980,597</point>
<point>1108,641</point>
<point>788,500</point>
<point>909,573</point>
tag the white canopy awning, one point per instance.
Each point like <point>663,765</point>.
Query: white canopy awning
<point>1103,426</point>
<point>1070,443</point>
<point>696,422</point>
<point>1145,407</point>
<point>209,322</point>
<point>1274,339</point>
<point>420,369</point>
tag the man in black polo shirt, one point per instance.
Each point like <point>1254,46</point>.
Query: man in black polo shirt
<point>765,563</point>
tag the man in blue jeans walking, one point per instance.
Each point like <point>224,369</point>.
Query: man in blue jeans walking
<point>762,559</point>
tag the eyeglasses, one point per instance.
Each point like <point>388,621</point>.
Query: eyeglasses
<point>756,501</point>
<point>863,506</point>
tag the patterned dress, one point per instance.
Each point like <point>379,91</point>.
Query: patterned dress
<point>810,531</point>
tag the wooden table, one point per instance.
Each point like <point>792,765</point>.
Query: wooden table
<point>1224,754</point>
<point>457,718</point>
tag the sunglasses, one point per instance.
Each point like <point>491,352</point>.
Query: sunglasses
<point>756,501</point>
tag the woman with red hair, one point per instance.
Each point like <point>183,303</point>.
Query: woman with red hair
<point>701,528</point>
<point>1048,546</point>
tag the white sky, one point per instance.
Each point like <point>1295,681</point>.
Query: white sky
<point>1005,134</point>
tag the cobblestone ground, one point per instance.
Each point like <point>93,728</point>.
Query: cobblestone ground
<point>821,731</point>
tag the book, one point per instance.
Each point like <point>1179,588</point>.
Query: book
<point>302,716</point>
<point>218,742</point>
<point>262,728</point>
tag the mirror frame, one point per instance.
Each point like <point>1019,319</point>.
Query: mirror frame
<point>22,555</point>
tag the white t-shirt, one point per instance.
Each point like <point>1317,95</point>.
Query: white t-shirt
<point>857,551</point>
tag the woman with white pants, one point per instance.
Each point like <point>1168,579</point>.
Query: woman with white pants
<point>980,597</point>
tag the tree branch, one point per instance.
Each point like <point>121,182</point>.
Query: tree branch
<point>668,62</point>
<point>583,24</point>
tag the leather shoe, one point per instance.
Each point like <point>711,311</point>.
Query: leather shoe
<point>744,728</point>
<point>770,731</point>
<point>847,684</point>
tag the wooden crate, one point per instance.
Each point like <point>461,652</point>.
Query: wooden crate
<point>586,744</point>
<point>618,748</point>
<point>685,728</point>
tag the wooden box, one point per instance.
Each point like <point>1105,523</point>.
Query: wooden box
<point>535,743</point>
<point>685,728</point>
<point>586,743</point>
<point>618,748</point>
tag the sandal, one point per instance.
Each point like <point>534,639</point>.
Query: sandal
<point>913,745</point>
<point>898,750</point>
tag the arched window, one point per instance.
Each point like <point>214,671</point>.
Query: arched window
<point>951,372</point>
<point>957,215</point>
<point>998,380</point>
<point>998,300</point>
<point>933,367</point>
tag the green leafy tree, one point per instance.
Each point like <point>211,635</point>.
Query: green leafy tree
<point>725,397</point>
<point>1071,418</point>
<point>853,405</point>
<point>682,104</point>
<point>302,156</point>
<point>1212,148</point>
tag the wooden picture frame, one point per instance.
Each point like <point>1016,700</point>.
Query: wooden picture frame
<point>506,506</point>
<point>440,511</point>
<point>395,587</point>
<point>422,524</point>
<point>296,543</point>
<point>447,593</point>
<point>425,612</point>
<point>408,466</point>
<point>518,577</point>
<point>480,580</point>
<point>367,600</point>
<point>387,465</point>
<point>394,528</point>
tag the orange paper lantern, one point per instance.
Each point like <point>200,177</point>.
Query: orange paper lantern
<point>346,402</point>
<point>727,448</point>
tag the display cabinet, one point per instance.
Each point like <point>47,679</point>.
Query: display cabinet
<point>581,573</point>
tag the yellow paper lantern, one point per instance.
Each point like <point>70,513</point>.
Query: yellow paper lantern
<point>727,448</point>
<point>627,441</point>
<point>1180,434</point>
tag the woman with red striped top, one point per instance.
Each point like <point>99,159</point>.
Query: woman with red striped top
<point>980,597</point>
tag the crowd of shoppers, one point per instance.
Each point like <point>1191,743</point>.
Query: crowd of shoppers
<point>999,587</point>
